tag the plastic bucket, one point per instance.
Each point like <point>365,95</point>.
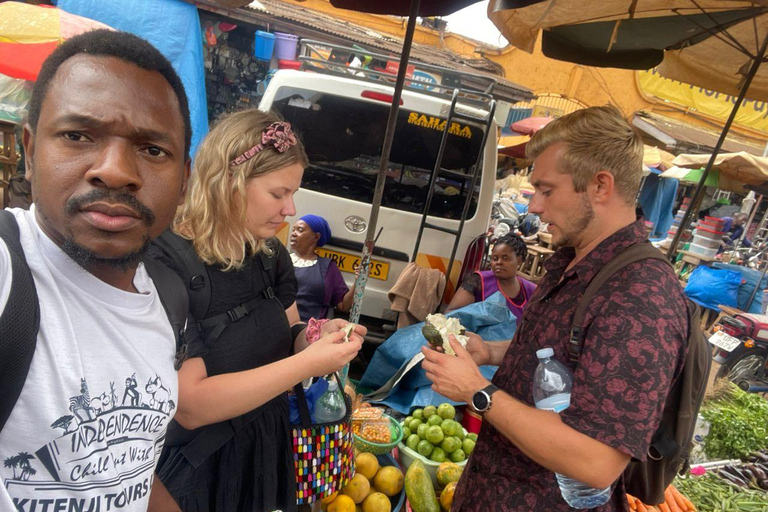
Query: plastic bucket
<point>286,45</point>
<point>263,45</point>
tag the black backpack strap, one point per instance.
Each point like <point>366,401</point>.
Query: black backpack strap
<point>19,321</point>
<point>194,273</point>
<point>632,254</point>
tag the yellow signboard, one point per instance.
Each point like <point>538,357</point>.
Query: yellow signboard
<point>753,114</point>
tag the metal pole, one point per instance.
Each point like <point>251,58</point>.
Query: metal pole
<point>378,192</point>
<point>694,206</point>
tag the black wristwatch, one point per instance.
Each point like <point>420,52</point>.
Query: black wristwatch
<point>481,400</point>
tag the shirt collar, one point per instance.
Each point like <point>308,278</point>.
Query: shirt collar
<point>605,251</point>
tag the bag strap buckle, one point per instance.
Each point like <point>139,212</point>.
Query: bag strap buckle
<point>237,313</point>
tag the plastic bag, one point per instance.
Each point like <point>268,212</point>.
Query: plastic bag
<point>750,279</point>
<point>14,99</point>
<point>711,287</point>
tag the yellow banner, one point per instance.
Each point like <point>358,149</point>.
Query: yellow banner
<point>753,114</point>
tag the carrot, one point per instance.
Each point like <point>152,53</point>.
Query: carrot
<point>688,503</point>
<point>664,507</point>
<point>678,499</point>
<point>670,500</point>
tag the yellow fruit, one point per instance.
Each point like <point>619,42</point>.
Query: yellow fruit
<point>327,501</point>
<point>342,503</point>
<point>367,464</point>
<point>448,472</point>
<point>377,502</point>
<point>358,508</point>
<point>357,488</point>
<point>389,480</point>
<point>446,497</point>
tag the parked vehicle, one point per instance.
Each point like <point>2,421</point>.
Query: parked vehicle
<point>741,348</point>
<point>341,114</point>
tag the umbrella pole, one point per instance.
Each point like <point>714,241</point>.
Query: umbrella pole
<point>389,137</point>
<point>694,207</point>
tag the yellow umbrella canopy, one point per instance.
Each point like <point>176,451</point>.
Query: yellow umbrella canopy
<point>741,167</point>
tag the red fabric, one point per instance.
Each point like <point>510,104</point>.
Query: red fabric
<point>636,330</point>
<point>530,125</point>
<point>24,61</point>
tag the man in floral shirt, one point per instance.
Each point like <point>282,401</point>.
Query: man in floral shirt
<point>586,175</point>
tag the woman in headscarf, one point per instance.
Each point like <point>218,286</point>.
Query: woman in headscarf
<point>321,286</point>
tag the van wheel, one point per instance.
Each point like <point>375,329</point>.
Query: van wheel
<point>746,366</point>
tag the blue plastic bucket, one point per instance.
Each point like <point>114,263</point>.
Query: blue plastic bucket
<point>263,45</point>
<point>286,46</point>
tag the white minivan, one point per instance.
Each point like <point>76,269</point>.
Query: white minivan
<point>341,114</point>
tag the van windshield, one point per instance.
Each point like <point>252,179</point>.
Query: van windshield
<point>343,138</point>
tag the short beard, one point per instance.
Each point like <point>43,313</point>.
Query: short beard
<point>578,224</point>
<point>88,260</point>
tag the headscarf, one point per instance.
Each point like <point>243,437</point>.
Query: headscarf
<point>320,226</point>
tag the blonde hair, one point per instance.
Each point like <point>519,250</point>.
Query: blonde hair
<point>213,215</point>
<point>596,139</point>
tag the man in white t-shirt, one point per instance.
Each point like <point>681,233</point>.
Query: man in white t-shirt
<point>107,147</point>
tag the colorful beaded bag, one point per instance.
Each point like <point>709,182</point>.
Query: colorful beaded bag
<point>323,454</point>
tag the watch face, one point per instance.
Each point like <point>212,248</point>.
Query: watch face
<point>480,401</point>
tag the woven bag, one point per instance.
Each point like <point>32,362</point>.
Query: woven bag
<point>323,454</point>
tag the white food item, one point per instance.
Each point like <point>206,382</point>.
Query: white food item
<point>347,329</point>
<point>447,326</point>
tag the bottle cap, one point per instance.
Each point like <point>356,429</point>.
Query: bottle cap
<point>332,385</point>
<point>545,353</point>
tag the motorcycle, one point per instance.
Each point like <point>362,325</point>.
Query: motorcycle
<point>740,346</point>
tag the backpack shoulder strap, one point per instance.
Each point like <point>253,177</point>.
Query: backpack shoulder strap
<point>19,321</point>
<point>266,264</point>
<point>632,254</point>
<point>194,274</point>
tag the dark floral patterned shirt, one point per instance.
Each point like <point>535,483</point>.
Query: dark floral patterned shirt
<point>636,331</point>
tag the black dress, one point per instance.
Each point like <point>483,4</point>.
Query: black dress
<point>245,464</point>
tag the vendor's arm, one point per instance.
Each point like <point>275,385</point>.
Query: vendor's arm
<point>541,435</point>
<point>465,295</point>
<point>204,400</point>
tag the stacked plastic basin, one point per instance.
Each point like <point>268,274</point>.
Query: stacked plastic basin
<point>709,234</point>
<point>686,236</point>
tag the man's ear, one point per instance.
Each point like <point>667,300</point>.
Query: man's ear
<point>185,180</point>
<point>28,141</point>
<point>603,186</point>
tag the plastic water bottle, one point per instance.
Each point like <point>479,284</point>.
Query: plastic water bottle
<point>552,383</point>
<point>330,406</point>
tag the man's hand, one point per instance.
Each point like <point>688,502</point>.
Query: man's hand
<point>455,377</point>
<point>478,349</point>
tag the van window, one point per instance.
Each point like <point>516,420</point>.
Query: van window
<point>343,139</point>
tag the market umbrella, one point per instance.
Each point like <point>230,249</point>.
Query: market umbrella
<point>530,125</point>
<point>516,151</point>
<point>715,44</point>
<point>743,167</point>
<point>29,33</point>
<point>693,176</point>
<point>413,8</point>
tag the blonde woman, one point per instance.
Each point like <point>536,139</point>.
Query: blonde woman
<point>231,446</point>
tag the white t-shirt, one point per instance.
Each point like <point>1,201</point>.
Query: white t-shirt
<point>90,423</point>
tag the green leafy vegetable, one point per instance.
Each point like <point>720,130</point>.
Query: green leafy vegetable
<point>738,422</point>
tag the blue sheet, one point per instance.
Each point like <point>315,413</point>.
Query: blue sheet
<point>491,319</point>
<point>656,199</point>
<point>173,26</point>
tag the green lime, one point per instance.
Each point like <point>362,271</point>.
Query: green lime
<point>414,424</point>
<point>468,446</point>
<point>424,448</point>
<point>406,432</point>
<point>435,434</point>
<point>450,427</point>
<point>472,436</point>
<point>450,444</point>
<point>446,411</point>
<point>434,420</point>
<point>422,431</point>
<point>418,414</point>
<point>438,455</point>
<point>407,420</point>
<point>460,434</point>
<point>458,456</point>
<point>412,442</point>
<point>430,411</point>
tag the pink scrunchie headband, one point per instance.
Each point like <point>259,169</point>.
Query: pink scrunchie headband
<point>277,135</point>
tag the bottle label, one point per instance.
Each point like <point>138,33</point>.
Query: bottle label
<point>556,403</point>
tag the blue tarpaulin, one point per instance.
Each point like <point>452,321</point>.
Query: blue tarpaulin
<point>656,199</point>
<point>491,319</point>
<point>173,27</point>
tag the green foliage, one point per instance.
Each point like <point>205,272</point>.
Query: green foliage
<point>738,423</point>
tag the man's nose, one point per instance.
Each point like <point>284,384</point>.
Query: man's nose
<point>535,205</point>
<point>117,167</point>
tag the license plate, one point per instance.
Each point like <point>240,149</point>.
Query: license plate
<point>349,263</point>
<point>724,341</point>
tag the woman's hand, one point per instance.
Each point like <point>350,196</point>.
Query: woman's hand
<point>337,324</point>
<point>330,353</point>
